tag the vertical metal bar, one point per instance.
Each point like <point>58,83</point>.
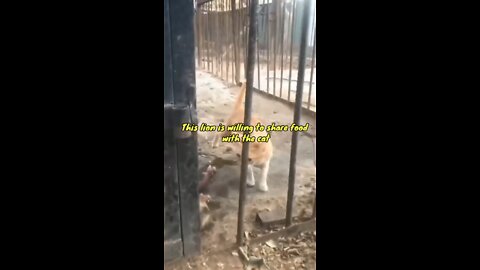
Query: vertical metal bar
<point>213,35</point>
<point>247,118</point>
<point>297,111</point>
<point>210,29</point>
<point>268,47</point>
<point>183,58</point>
<point>223,50</point>
<point>282,51</point>
<point>197,33</point>
<point>232,37</point>
<point>245,37</point>
<point>275,18</point>
<point>265,40</point>
<point>173,246</point>
<point>227,20</point>
<point>240,38</point>
<point>244,31</point>
<point>312,67</point>
<point>217,40</point>
<point>224,41</point>
<point>208,39</point>
<point>220,38</point>
<point>205,31</point>
<point>227,37</point>
<point>200,36</point>
<point>214,39</point>
<point>291,48</point>
<point>235,53</point>
<point>314,212</point>
<point>258,58</point>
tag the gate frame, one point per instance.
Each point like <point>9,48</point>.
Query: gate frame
<point>181,108</point>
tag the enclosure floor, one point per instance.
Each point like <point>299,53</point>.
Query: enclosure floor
<point>215,99</point>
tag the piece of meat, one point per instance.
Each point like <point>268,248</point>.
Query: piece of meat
<point>204,210</point>
<point>207,178</point>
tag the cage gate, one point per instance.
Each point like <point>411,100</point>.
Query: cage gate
<point>181,200</point>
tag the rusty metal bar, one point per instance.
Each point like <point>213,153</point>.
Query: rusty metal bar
<point>227,22</point>
<point>245,37</point>
<point>226,36</point>
<point>208,34</point>
<point>247,118</point>
<point>291,47</point>
<point>282,37</point>
<point>235,53</point>
<point>275,24</point>
<point>205,36</point>
<point>242,38</point>
<point>268,46</point>
<point>264,40</point>
<point>258,60</point>
<point>224,41</point>
<point>232,59</point>
<point>297,111</point>
<point>240,44</point>
<point>213,35</point>
<point>220,39</point>
<point>201,35</point>
<point>312,67</point>
<point>217,40</point>
<point>244,54</point>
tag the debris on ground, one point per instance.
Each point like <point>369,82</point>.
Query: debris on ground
<point>298,252</point>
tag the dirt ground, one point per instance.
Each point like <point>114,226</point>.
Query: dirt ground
<point>293,252</point>
<point>214,103</point>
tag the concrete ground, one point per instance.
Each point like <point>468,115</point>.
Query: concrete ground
<point>215,100</point>
<point>265,80</point>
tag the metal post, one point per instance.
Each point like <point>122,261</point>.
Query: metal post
<point>245,37</point>
<point>217,41</point>
<point>208,34</point>
<point>197,36</point>
<point>258,62</point>
<point>312,66</point>
<point>227,39</point>
<point>235,53</point>
<point>275,42</point>
<point>297,112</point>
<point>222,35</point>
<point>268,46</point>
<point>282,51</point>
<point>247,117</point>
<point>203,34</point>
<point>314,213</point>
<point>291,48</point>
